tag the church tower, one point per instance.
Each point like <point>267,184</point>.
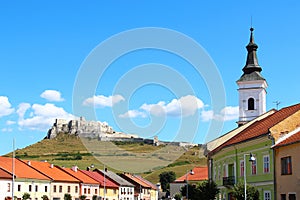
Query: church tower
<point>252,86</point>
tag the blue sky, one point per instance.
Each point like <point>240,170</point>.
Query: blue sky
<point>45,46</point>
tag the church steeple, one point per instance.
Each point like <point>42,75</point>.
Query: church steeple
<point>252,86</point>
<point>252,61</point>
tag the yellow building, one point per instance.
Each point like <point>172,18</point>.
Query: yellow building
<point>287,168</point>
<point>111,189</point>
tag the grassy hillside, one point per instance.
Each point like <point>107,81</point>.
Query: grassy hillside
<point>147,160</point>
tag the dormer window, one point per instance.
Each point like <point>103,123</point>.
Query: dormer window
<point>250,104</point>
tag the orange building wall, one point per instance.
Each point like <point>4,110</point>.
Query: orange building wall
<point>288,183</point>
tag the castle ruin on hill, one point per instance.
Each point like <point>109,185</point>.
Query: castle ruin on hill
<point>101,131</point>
<point>83,128</point>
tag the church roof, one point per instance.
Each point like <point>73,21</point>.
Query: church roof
<point>260,127</point>
<point>251,69</point>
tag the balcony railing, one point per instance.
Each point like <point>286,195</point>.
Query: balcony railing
<point>228,181</point>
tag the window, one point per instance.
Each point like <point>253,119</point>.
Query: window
<point>8,187</point>
<point>76,189</point>
<point>89,191</point>
<point>46,189</point>
<point>267,195</point>
<point>30,188</point>
<point>115,191</point>
<point>96,191</point>
<point>54,188</point>
<point>84,190</point>
<point>250,104</point>
<point>286,165</point>
<point>242,168</point>
<point>60,189</point>
<point>215,174</point>
<point>69,189</point>
<point>253,167</point>
<point>219,172</point>
<point>19,188</point>
<point>266,164</point>
<point>36,188</point>
<point>224,170</point>
<point>282,196</point>
<point>292,196</point>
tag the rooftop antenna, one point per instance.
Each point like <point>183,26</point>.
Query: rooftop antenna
<point>251,21</point>
<point>277,104</point>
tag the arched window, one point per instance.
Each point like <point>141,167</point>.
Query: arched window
<point>250,104</point>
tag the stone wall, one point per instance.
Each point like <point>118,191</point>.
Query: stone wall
<point>84,128</point>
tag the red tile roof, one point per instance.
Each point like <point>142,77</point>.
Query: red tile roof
<point>80,175</point>
<point>199,174</point>
<point>5,174</point>
<point>54,172</point>
<point>290,138</point>
<point>147,182</point>
<point>135,180</point>
<point>100,178</point>
<point>22,170</point>
<point>260,127</point>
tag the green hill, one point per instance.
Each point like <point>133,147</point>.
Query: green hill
<point>146,160</point>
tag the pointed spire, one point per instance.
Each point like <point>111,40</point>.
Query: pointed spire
<point>252,62</point>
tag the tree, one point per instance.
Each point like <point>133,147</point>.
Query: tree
<point>239,192</point>
<point>177,196</point>
<point>82,197</point>
<point>192,191</point>
<point>45,197</point>
<point>203,191</point>
<point>166,178</point>
<point>67,197</point>
<point>208,190</point>
<point>26,196</point>
<point>94,197</point>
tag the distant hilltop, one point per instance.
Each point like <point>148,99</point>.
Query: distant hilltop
<point>101,131</point>
<point>84,128</point>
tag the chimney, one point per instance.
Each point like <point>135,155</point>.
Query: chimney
<point>75,168</point>
<point>88,169</point>
<point>51,166</point>
<point>29,163</point>
<point>105,169</point>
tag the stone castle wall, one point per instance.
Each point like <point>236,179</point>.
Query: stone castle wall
<point>84,128</point>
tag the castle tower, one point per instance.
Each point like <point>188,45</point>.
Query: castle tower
<point>252,86</point>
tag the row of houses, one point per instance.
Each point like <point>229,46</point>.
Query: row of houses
<point>43,179</point>
<point>263,150</point>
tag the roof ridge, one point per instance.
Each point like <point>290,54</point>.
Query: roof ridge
<point>287,136</point>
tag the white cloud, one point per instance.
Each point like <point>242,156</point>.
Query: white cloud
<point>6,129</point>
<point>52,95</point>
<point>133,114</point>
<point>184,106</point>
<point>103,101</point>
<point>9,122</point>
<point>229,113</point>
<point>207,115</point>
<point>22,108</point>
<point>43,116</point>
<point>5,106</point>
<point>226,114</point>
